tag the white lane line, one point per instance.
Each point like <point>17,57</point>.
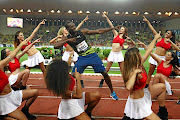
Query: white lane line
<point>120,80</point>
<point>46,115</point>
<point>98,74</point>
<point>36,85</point>
<point>126,99</point>
<point>36,78</point>
<point>48,97</point>
<point>75,86</point>
<point>88,87</point>
<point>101,98</point>
<point>99,117</point>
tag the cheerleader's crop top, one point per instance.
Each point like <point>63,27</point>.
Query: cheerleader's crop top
<point>72,84</point>
<point>118,40</point>
<point>24,46</point>
<point>141,83</point>
<point>65,45</point>
<point>164,45</point>
<point>3,80</point>
<point>13,66</point>
<point>165,71</point>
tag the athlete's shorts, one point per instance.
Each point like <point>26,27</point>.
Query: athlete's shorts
<point>89,60</point>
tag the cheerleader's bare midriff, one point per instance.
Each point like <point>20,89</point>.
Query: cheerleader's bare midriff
<point>116,47</point>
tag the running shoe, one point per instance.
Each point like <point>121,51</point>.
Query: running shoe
<point>178,102</point>
<point>114,96</point>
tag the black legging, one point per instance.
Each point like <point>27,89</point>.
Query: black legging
<point>2,117</point>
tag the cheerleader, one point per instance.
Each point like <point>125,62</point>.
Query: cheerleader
<point>34,56</point>
<point>62,84</point>
<point>18,78</point>
<point>10,100</point>
<point>69,52</point>
<point>162,46</point>
<point>116,55</point>
<point>165,68</point>
<point>138,105</point>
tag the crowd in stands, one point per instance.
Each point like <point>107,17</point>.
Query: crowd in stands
<point>134,31</point>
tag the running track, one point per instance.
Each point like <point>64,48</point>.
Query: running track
<point>46,105</point>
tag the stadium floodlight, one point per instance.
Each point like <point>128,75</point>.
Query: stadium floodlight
<point>58,11</point>
<point>28,10</point>
<point>146,13</point>
<point>134,13</point>
<point>117,12</point>
<point>97,12</point>
<point>21,10</point>
<point>159,13</point>
<point>11,10</point>
<point>52,11</point>
<point>69,11</point>
<point>166,13</point>
<point>39,11</point>
<point>80,12</point>
<point>176,13</point>
<point>126,13</point>
<point>87,12</point>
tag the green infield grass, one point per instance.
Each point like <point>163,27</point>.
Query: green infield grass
<point>146,64</point>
